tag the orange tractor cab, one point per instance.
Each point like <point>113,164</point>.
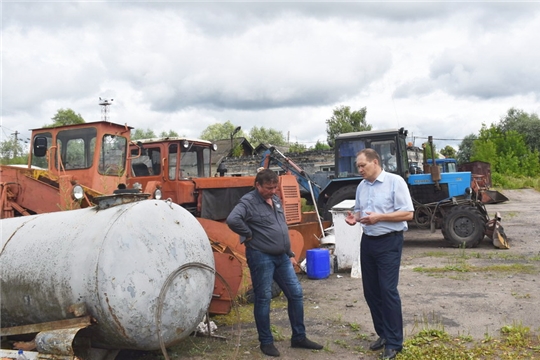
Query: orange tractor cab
<point>67,167</point>
<point>180,170</point>
<point>70,166</point>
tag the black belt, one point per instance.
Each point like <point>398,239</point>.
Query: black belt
<point>384,235</point>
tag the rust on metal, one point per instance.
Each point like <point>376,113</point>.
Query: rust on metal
<point>224,293</point>
<point>48,326</point>
<point>495,232</point>
<point>62,342</point>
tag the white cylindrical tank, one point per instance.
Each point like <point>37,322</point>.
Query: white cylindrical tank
<point>117,261</point>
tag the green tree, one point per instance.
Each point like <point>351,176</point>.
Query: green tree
<point>485,147</point>
<point>65,117</point>
<point>506,151</point>
<point>171,133</point>
<point>221,131</point>
<point>297,148</point>
<point>465,149</point>
<point>266,136</point>
<point>139,134</point>
<point>428,151</point>
<point>320,146</point>
<point>448,152</point>
<point>344,120</point>
<point>12,152</point>
<point>528,125</point>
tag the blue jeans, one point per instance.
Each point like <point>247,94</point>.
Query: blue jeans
<point>265,268</point>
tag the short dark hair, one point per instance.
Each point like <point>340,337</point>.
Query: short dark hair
<point>266,176</point>
<point>370,155</point>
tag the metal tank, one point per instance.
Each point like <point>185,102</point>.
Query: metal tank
<point>142,269</point>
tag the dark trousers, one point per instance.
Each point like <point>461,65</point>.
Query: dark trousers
<point>380,259</point>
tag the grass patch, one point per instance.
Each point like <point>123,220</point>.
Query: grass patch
<point>243,313</point>
<point>515,342</point>
<point>463,267</point>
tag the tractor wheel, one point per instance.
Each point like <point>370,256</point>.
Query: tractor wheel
<point>463,226</point>
<point>276,291</point>
<point>422,217</point>
<point>345,193</point>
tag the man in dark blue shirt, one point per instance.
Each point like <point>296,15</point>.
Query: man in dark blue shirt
<point>260,221</point>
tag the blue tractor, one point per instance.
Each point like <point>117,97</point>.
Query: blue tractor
<point>441,200</point>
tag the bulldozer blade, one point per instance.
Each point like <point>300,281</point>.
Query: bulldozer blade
<point>496,232</point>
<point>499,238</point>
<point>493,197</point>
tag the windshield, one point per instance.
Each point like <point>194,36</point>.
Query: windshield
<point>112,155</point>
<point>346,154</point>
<point>195,162</point>
<point>76,147</point>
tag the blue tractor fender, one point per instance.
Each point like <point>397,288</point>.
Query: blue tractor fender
<point>336,191</point>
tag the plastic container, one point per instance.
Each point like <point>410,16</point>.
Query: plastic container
<point>21,356</point>
<point>318,263</point>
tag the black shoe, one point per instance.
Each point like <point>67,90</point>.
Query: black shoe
<point>389,353</point>
<point>377,345</point>
<point>269,349</point>
<point>306,344</point>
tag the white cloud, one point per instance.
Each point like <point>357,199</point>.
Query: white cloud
<point>438,69</point>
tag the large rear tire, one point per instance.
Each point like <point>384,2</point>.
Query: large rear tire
<point>250,296</point>
<point>463,226</point>
<point>344,193</point>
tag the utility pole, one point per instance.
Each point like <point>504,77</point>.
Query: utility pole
<point>16,143</point>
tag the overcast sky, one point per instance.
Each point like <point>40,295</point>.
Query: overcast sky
<point>439,69</point>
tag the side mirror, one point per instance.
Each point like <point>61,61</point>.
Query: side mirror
<point>40,146</point>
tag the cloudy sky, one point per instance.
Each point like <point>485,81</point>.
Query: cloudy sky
<point>435,68</point>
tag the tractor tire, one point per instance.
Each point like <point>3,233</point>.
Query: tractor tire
<point>250,297</point>
<point>422,217</point>
<point>344,193</point>
<point>463,226</point>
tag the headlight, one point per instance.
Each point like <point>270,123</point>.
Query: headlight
<point>77,192</point>
<point>157,194</point>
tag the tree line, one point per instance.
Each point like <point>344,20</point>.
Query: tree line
<point>511,146</point>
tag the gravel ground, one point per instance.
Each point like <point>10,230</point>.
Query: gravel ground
<point>476,303</point>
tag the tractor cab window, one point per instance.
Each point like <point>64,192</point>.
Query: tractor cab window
<point>387,151</point>
<point>112,155</point>
<point>194,161</point>
<point>173,157</point>
<point>37,160</point>
<point>148,163</point>
<point>450,167</point>
<point>346,154</point>
<point>76,148</point>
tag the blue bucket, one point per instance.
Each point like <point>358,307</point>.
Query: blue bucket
<point>318,263</point>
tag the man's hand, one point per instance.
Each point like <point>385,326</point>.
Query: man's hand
<point>350,219</point>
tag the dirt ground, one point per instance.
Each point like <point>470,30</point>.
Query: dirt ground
<point>476,303</point>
